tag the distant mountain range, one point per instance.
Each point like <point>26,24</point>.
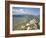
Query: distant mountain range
<point>28,17</point>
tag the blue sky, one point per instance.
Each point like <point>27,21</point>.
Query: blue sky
<point>24,10</point>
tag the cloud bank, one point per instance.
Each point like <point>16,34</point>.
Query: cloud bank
<point>21,11</point>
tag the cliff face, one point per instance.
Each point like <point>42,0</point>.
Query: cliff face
<point>32,24</point>
<point>33,21</point>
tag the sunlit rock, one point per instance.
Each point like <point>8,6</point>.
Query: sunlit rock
<point>22,26</point>
<point>27,24</point>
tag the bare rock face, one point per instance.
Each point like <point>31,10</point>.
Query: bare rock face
<point>32,25</point>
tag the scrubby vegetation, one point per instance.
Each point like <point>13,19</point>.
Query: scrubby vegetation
<point>26,22</point>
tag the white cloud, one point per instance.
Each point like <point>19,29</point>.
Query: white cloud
<point>21,11</point>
